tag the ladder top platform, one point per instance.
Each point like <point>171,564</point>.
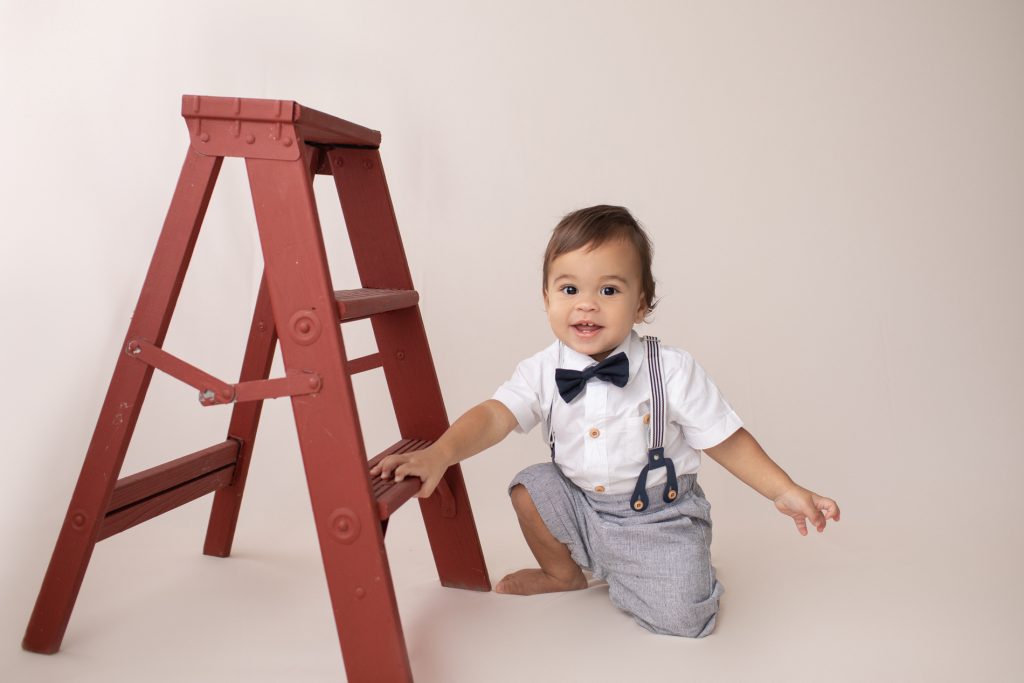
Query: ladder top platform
<point>226,126</point>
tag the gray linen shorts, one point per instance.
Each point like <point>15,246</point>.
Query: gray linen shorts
<point>657,562</point>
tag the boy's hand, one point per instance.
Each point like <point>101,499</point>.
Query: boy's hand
<point>427,464</point>
<point>801,505</point>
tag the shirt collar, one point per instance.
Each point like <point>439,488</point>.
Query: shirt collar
<point>632,346</point>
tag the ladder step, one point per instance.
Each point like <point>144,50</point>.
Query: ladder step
<point>152,492</point>
<point>355,304</point>
<point>390,495</point>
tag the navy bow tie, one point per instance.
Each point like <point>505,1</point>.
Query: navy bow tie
<point>614,369</point>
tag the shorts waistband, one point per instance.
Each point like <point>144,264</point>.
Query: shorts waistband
<point>618,501</point>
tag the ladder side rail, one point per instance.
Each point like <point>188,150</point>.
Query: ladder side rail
<point>348,528</point>
<point>407,361</point>
<point>245,418</point>
<point>381,262</point>
<point>121,407</point>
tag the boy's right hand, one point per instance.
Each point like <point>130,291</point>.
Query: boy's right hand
<point>428,464</point>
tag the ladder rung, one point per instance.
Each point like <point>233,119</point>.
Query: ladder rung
<point>390,496</point>
<point>146,494</point>
<point>355,304</point>
<point>157,479</point>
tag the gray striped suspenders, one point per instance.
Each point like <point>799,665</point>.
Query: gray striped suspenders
<point>656,450</point>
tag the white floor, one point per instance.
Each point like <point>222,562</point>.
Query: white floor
<point>867,600</point>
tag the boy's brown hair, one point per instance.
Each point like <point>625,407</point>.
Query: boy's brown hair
<point>597,225</point>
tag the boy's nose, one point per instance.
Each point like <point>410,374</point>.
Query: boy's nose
<point>586,305</point>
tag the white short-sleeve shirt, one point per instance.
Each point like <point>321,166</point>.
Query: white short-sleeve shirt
<point>601,437</point>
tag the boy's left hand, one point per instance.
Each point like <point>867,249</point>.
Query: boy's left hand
<point>801,505</point>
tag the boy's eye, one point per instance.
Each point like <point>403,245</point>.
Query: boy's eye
<point>609,291</point>
<point>570,290</point>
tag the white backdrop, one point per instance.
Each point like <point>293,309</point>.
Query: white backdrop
<point>834,194</point>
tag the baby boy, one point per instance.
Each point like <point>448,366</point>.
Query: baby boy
<point>626,420</point>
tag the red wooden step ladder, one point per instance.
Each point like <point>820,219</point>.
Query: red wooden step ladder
<point>284,145</point>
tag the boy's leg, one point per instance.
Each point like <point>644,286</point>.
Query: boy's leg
<point>659,564</point>
<point>558,571</point>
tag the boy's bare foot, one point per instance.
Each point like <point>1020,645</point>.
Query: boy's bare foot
<point>535,581</point>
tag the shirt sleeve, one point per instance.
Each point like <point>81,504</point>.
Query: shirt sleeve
<point>522,394</point>
<point>695,403</point>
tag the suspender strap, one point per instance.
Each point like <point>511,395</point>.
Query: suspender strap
<point>656,451</point>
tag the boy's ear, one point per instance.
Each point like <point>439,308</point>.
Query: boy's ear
<point>544,295</point>
<point>641,311</point>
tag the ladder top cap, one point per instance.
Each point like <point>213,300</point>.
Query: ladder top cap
<point>310,125</point>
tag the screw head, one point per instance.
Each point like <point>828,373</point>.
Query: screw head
<point>204,137</point>
<point>250,138</point>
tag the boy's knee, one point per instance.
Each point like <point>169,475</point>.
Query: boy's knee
<point>521,500</point>
<point>685,623</point>
<point>674,614</point>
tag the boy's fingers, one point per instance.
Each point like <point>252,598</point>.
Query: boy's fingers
<point>427,489</point>
<point>801,525</point>
<point>408,469</point>
<point>389,465</point>
<point>828,506</point>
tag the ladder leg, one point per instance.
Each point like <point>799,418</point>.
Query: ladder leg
<point>121,407</point>
<point>347,523</point>
<point>245,417</point>
<point>408,366</point>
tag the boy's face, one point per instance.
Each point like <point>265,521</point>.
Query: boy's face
<point>594,297</point>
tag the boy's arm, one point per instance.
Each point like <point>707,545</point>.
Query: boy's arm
<point>479,428</point>
<point>744,457</point>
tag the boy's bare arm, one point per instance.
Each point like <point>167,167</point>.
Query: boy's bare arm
<point>479,428</point>
<point>744,457</point>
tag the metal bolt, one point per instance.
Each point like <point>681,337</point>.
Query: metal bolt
<point>287,142</point>
<point>338,161</point>
<point>314,382</point>
<point>250,138</point>
<point>400,355</point>
<point>205,137</point>
<point>360,592</point>
<point>367,164</point>
<point>78,520</point>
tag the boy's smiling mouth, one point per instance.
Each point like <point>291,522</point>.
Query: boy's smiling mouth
<point>585,328</point>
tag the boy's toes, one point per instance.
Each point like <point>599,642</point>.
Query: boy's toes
<point>534,581</point>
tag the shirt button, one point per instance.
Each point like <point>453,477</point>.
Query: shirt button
<point>647,419</point>
<point>595,432</point>
<point>599,488</point>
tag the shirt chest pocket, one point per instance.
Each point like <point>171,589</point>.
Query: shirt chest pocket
<point>627,440</point>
